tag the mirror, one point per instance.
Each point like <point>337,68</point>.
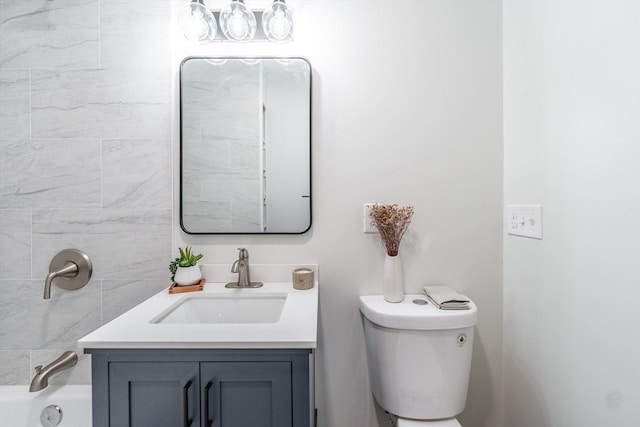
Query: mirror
<point>245,145</point>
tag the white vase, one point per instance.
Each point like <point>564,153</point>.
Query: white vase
<point>393,283</point>
<point>187,275</point>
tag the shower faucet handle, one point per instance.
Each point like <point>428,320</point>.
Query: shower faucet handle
<point>71,269</point>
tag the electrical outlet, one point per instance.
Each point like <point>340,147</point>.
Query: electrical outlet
<point>524,220</point>
<point>368,227</point>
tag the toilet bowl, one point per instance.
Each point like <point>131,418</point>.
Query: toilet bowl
<point>449,422</point>
<point>419,358</point>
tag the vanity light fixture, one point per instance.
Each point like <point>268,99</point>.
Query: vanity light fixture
<point>237,22</point>
<point>277,23</point>
<point>197,22</point>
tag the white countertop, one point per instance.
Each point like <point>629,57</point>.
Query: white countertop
<point>296,328</point>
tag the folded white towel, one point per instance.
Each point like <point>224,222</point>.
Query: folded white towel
<point>446,298</point>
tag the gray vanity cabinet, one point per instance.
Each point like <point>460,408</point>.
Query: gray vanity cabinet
<point>154,394</point>
<point>202,388</point>
<point>252,394</point>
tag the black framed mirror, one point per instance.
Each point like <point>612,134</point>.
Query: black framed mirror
<point>245,145</point>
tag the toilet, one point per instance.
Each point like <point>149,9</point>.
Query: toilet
<point>419,358</point>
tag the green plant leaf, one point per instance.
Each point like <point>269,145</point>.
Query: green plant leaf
<point>187,259</point>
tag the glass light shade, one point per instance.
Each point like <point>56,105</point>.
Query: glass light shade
<point>197,22</point>
<point>277,22</point>
<point>237,22</point>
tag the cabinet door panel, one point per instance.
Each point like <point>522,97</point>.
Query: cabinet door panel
<point>160,394</point>
<point>247,394</point>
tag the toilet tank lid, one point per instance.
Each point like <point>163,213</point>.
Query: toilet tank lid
<point>409,315</point>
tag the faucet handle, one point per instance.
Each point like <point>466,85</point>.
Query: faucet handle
<point>72,270</point>
<point>38,369</point>
<point>243,253</point>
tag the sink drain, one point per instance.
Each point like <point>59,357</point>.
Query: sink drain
<point>51,416</point>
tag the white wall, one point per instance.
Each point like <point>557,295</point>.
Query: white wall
<point>407,109</point>
<point>572,143</point>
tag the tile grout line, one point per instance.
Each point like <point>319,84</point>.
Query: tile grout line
<point>31,244</point>
<point>99,34</point>
<point>30,105</point>
<point>101,175</point>
<point>101,302</point>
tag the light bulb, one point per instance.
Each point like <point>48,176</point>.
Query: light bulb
<point>277,22</point>
<point>237,22</point>
<point>197,22</point>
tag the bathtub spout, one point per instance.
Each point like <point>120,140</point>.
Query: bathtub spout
<point>40,381</point>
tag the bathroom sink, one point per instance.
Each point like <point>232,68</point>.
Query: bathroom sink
<point>274,316</point>
<point>258,308</point>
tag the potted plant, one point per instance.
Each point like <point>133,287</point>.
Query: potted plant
<point>185,269</point>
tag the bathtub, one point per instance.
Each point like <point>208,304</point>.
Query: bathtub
<point>19,408</point>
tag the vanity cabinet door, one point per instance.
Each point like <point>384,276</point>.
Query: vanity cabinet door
<point>242,394</point>
<point>154,394</point>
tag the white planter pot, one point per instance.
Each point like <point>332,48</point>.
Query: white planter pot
<point>393,283</point>
<point>187,275</point>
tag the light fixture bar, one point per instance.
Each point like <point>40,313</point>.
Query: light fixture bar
<point>238,23</point>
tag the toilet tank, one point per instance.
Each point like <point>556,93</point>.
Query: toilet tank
<point>419,356</point>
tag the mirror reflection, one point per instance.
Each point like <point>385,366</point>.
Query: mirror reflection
<point>245,151</point>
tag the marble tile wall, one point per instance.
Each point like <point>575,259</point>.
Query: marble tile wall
<point>85,162</point>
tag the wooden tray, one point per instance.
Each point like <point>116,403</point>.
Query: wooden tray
<point>178,289</point>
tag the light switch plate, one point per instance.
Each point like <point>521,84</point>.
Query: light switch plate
<point>524,220</point>
<point>368,227</point>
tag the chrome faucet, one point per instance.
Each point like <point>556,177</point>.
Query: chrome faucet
<point>241,266</point>
<point>40,381</point>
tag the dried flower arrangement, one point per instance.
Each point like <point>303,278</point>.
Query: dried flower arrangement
<point>392,222</point>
